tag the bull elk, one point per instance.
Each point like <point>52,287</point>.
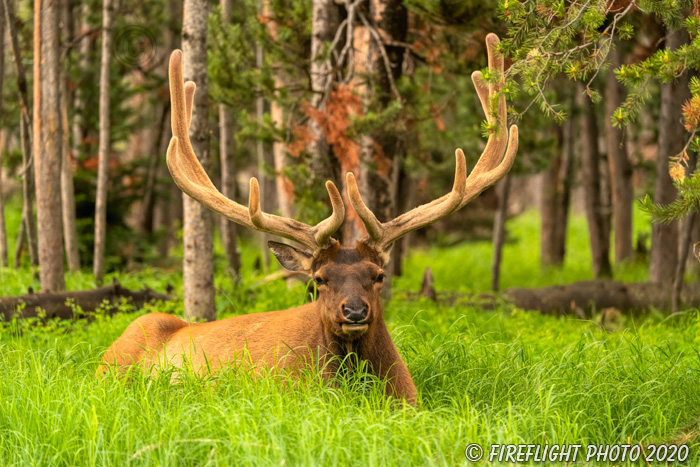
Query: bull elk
<point>347,316</point>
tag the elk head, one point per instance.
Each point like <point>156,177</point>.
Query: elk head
<point>348,279</point>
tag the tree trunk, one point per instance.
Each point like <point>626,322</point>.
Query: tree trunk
<point>104,147</point>
<point>169,207</point>
<point>499,232</point>
<point>664,237</point>
<point>380,157</point>
<point>20,242</point>
<point>228,171</point>
<point>324,24</point>
<point>590,173</point>
<point>25,126</point>
<point>555,197</point>
<point>83,48</point>
<point>145,222</point>
<point>620,166</point>
<point>48,143</point>
<point>4,260</point>
<point>284,188</point>
<point>265,161</point>
<point>564,187</point>
<point>685,233</point>
<point>198,267</point>
<point>70,231</point>
<point>3,138</point>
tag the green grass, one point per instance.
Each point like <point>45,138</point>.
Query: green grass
<point>503,376</point>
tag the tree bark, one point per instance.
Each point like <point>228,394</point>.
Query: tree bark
<point>48,141</point>
<point>83,48</point>
<point>499,232</point>
<point>265,161</point>
<point>589,296</point>
<point>381,152</point>
<point>4,260</point>
<point>198,265</point>
<point>324,24</point>
<point>284,188</point>
<point>620,166</point>
<point>20,243</point>
<point>25,126</point>
<point>104,146</point>
<point>3,138</point>
<point>53,305</point>
<point>664,237</point>
<point>145,223</point>
<point>228,172</point>
<point>555,197</point>
<point>590,173</point>
<point>70,230</point>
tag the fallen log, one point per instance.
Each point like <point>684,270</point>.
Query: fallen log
<point>61,304</point>
<point>578,299</point>
<point>587,296</point>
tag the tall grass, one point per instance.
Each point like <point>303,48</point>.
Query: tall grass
<point>500,376</point>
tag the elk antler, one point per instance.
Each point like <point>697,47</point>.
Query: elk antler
<point>490,168</point>
<point>190,177</point>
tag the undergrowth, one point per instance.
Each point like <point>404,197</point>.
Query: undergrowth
<point>500,376</point>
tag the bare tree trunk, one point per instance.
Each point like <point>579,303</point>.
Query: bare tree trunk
<point>685,234</point>
<point>70,231</point>
<point>499,232</point>
<point>25,126</point>
<point>284,188</point>
<point>324,24</point>
<point>83,47</point>
<point>664,237</point>
<point>590,173</point>
<point>105,143</point>
<point>48,143</point>
<point>564,188</point>
<point>381,152</point>
<point>169,208</point>
<point>556,193</point>
<point>620,166</point>
<point>20,243</point>
<point>265,160</point>
<point>145,222</point>
<point>228,171</point>
<point>198,266</point>
<point>3,139</point>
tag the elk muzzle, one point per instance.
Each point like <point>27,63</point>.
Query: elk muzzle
<point>355,312</point>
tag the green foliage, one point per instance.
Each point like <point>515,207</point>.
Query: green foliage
<point>687,202</point>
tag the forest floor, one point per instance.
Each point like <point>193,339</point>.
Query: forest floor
<point>500,376</point>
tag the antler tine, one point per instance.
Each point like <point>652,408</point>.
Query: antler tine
<point>191,178</point>
<point>496,144</point>
<point>386,233</point>
<point>491,167</point>
<point>312,237</point>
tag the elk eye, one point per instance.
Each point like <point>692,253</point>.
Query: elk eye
<point>319,281</point>
<point>380,278</point>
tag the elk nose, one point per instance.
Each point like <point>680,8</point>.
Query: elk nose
<point>355,312</point>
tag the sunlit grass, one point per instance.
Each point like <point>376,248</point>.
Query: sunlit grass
<point>499,376</point>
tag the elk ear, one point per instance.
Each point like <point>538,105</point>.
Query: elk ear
<point>291,259</point>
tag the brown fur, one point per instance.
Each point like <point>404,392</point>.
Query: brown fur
<point>286,339</point>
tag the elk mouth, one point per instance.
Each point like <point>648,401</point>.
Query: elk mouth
<point>354,328</point>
